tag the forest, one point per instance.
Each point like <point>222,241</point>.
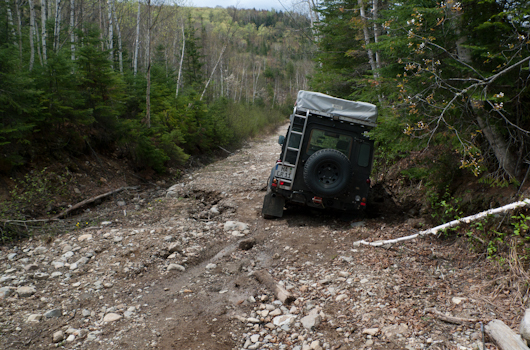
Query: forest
<point>156,81</point>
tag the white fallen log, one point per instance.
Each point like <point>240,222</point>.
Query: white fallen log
<point>435,230</point>
<point>504,336</point>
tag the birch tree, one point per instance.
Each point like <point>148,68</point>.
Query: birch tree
<point>72,30</point>
<point>44,33</point>
<point>137,40</point>
<point>57,25</point>
<point>31,34</point>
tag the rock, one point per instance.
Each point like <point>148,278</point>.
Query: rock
<point>252,320</point>
<point>235,226</point>
<point>393,330</point>
<point>106,223</point>
<point>254,338</point>
<point>211,266</point>
<point>283,320</point>
<point>176,267</point>
<point>57,264</point>
<point>6,291</point>
<point>34,318</point>
<point>457,300</point>
<point>85,237</point>
<point>40,250</point>
<point>58,336</point>
<point>85,313</point>
<point>111,317</point>
<point>7,278</point>
<point>524,328</point>
<point>214,210</point>
<point>70,338</point>
<point>175,247</point>
<point>56,274</point>
<point>341,297</point>
<point>11,256</point>
<point>31,267</point>
<point>73,266</point>
<point>169,239</point>
<point>275,312</point>
<point>82,261</point>
<point>370,331</point>
<point>247,244</point>
<point>312,320</point>
<point>41,276</point>
<point>25,291</point>
<point>315,345</point>
<point>54,313</point>
<point>121,203</point>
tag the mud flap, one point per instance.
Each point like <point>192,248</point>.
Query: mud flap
<point>272,206</point>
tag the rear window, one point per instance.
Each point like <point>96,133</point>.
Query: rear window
<point>321,139</point>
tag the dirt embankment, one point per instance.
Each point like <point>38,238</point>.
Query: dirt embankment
<point>172,268</point>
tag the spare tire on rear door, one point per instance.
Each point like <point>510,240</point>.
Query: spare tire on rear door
<point>327,172</point>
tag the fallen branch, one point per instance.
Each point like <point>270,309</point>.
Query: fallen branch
<point>504,336</point>
<point>283,295</point>
<point>435,230</point>
<point>450,319</point>
<point>91,200</point>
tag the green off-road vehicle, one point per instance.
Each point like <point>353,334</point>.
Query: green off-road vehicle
<point>326,156</point>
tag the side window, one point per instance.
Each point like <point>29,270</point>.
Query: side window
<point>364,155</point>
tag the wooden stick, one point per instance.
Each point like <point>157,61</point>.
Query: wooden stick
<point>90,200</point>
<point>435,230</point>
<point>450,319</point>
<point>504,336</point>
<point>283,295</point>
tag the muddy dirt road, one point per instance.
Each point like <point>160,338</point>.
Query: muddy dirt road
<point>173,268</point>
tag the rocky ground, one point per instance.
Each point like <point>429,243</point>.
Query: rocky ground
<point>173,268</point>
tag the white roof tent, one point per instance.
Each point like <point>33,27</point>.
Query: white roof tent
<point>337,108</point>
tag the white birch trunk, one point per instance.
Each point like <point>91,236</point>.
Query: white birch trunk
<point>213,71</point>
<point>72,27</point>
<point>120,51</point>
<point>19,28</point>
<point>110,38</point>
<point>148,59</point>
<point>37,39</point>
<point>137,40</point>
<point>57,25</point>
<point>31,34</point>
<point>377,32</point>
<point>44,33</point>
<point>181,60</point>
<point>255,78</point>
<point>367,38</point>
<point>434,230</point>
<point>10,20</point>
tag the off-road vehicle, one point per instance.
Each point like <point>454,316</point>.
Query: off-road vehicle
<point>326,156</point>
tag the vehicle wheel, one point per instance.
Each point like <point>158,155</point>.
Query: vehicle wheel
<point>327,172</point>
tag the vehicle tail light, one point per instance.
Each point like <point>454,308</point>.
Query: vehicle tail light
<point>368,181</point>
<point>363,202</point>
<point>282,183</point>
<point>317,200</point>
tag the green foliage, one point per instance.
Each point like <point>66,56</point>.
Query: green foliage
<point>33,195</point>
<point>445,207</point>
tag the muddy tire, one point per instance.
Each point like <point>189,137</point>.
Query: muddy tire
<point>327,172</point>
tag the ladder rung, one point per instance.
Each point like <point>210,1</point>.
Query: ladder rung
<point>293,149</point>
<point>296,132</point>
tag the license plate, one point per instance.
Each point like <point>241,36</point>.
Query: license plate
<point>284,172</point>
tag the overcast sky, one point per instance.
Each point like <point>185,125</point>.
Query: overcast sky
<point>242,4</point>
